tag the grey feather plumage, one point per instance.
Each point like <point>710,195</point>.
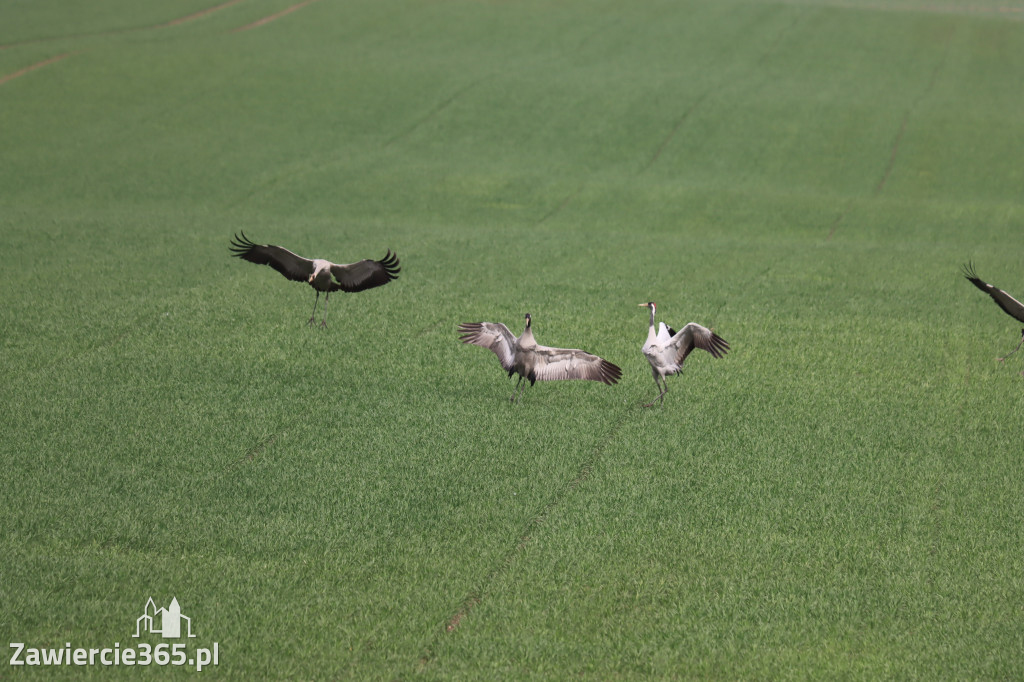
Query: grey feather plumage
<point>522,355</point>
<point>666,349</point>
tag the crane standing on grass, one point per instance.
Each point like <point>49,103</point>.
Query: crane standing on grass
<point>666,349</point>
<point>523,356</point>
<point>1009,304</point>
<point>320,274</point>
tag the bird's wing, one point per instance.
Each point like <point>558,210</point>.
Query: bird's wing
<point>553,364</point>
<point>365,274</point>
<point>281,259</point>
<point>693,336</point>
<point>491,335</point>
<point>665,333</point>
<point>1012,306</point>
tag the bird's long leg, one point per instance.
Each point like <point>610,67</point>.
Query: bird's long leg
<point>313,316</point>
<point>515,393</point>
<point>661,396</point>
<point>1015,349</point>
<point>327,297</point>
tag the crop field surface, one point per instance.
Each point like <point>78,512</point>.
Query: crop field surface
<point>840,497</point>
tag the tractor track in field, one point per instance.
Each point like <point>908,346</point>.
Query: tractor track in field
<point>893,153</point>
<point>672,133</point>
<point>130,29</point>
<point>33,67</point>
<point>434,112</point>
<point>560,206</point>
<point>894,148</point>
<point>274,17</point>
<point>777,41</point>
<point>963,10</point>
<point>313,163</point>
<point>134,29</point>
<point>197,15</point>
<point>475,597</point>
<point>96,34</point>
<point>656,154</point>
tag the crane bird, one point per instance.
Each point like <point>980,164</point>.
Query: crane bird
<point>523,356</point>
<point>1009,304</point>
<point>666,349</point>
<point>320,274</point>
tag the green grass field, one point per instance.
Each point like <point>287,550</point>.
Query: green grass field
<point>840,497</point>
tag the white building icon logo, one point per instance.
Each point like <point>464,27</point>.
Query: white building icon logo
<point>170,620</point>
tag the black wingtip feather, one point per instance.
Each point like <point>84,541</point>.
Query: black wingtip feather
<point>390,263</point>
<point>241,245</point>
<point>719,346</point>
<point>610,372</point>
<point>972,277</point>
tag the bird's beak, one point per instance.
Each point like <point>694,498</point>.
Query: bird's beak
<point>644,305</point>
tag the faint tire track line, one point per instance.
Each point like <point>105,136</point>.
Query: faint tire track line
<point>837,221</point>
<point>273,17</point>
<point>131,29</point>
<point>432,113</point>
<point>672,133</point>
<point>38,65</point>
<point>776,42</point>
<point>892,154</point>
<point>476,596</point>
<point>894,150</point>
<point>197,15</point>
<point>781,37</point>
<point>273,182</point>
<point>560,207</point>
<point>906,117</point>
<point>965,10</point>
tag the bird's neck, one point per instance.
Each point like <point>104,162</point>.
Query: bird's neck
<point>527,340</point>
<point>652,333</point>
<point>321,277</point>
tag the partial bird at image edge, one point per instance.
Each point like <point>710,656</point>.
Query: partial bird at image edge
<point>1009,304</point>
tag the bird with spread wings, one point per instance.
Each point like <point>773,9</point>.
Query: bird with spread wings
<point>524,356</point>
<point>1009,304</point>
<point>666,349</point>
<point>323,275</point>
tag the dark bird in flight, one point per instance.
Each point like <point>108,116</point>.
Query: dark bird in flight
<point>523,356</point>
<point>320,274</point>
<point>666,349</point>
<point>1009,304</point>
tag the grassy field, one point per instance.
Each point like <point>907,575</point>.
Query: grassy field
<point>840,497</point>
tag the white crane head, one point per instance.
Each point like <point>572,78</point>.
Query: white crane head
<point>649,304</point>
<point>528,318</point>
